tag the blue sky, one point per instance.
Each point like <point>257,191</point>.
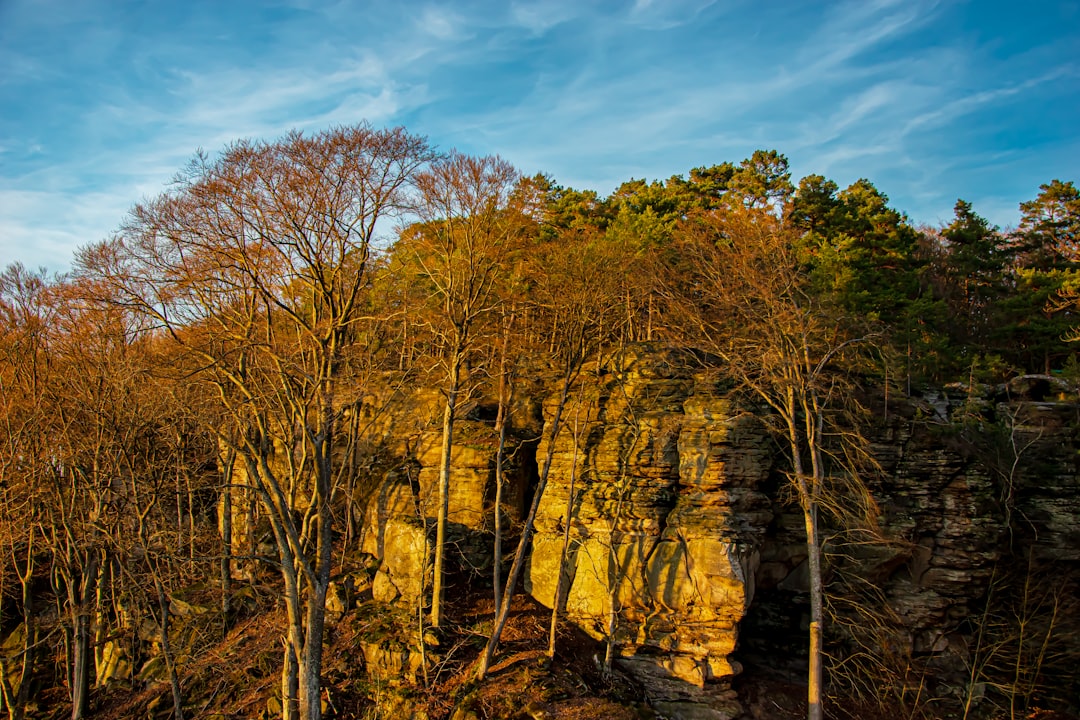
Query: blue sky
<point>102,101</point>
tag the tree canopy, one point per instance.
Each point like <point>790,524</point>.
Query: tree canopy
<point>219,343</point>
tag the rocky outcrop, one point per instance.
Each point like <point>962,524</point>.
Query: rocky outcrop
<point>683,535</point>
<point>976,495</point>
<point>403,426</point>
<point>666,523</point>
<point>683,551</point>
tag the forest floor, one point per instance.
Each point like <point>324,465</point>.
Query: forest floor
<point>239,676</point>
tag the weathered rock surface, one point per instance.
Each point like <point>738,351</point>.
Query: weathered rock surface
<point>684,548</point>
<point>976,485</point>
<point>395,534</point>
<point>665,525</point>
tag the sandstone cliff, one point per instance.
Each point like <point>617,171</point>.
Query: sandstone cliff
<point>685,554</point>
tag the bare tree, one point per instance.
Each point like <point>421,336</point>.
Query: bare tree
<point>25,319</point>
<point>577,280</point>
<point>118,449</point>
<point>68,373</point>
<point>85,437</point>
<point>252,265</point>
<point>465,235</point>
<point>739,294</point>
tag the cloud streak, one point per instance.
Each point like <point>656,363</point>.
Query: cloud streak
<point>930,100</point>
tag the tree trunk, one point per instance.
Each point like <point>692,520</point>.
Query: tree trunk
<point>29,651</point>
<point>438,588</point>
<point>82,651</point>
<point>17,705</point>
<point>179,501</point>
<point>523,542</point>
<point>293,642</point>
<point>191,504</point>
<point>500,423</point>
<point>310,674</point>
<point>807,489</point>
<point>99,625</point>
<point>817,625</point>
<point>226,540</point>
<point>315,617</point>
<point>649,327</point>
<point>814,419</point>
<point>290,680</point>
<point>14,694</point>
<point>166,651</point>
<point>556,603</point>
<point>506,390</point>
<point>808,502</point>
<point>305,585</point>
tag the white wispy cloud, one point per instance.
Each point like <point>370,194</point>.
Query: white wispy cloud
<point>965,104</point>
<point>666,14</point>
<point>74,219</point>
<point>441,22</point>
<point>593,93</point>
<point>854,27</point>
<point>46,213</point>
<point>540,17</point>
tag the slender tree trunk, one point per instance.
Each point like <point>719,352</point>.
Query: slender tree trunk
<point>178,489</point>
<point>420,639</point>
<point>166,651</point>
<point>807,492</point>
<point>17,693</point>
<point>496,571</point>
<point>817,623</point>
<point>81,600</point>
<point>311,666</point>
<point>17,705</point>
<point>438,585</point>
<point>402,362</point>
<point>30,638</point>
<point>649,327</point>
<point>814,418</point>
<point>290,679</point>
<point>191,517</point>
<point>424,565</point>
<point>16,708</point>
<point>100,625</point>
<point>315,620</point>
<point>352,463</point>
<point>293,642</point>
<point>506,390</point>
<point>250,510</point>
<point>556,604</point>
<point>226,539</point>
<point>523,542</point>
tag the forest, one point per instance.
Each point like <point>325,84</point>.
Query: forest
<point>191,416</point>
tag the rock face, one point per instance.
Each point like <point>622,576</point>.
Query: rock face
<point>977,498</point>
<point>398,523</point>
<point>666,523</point>
<point>396,535</point>
<point>666,531</point>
